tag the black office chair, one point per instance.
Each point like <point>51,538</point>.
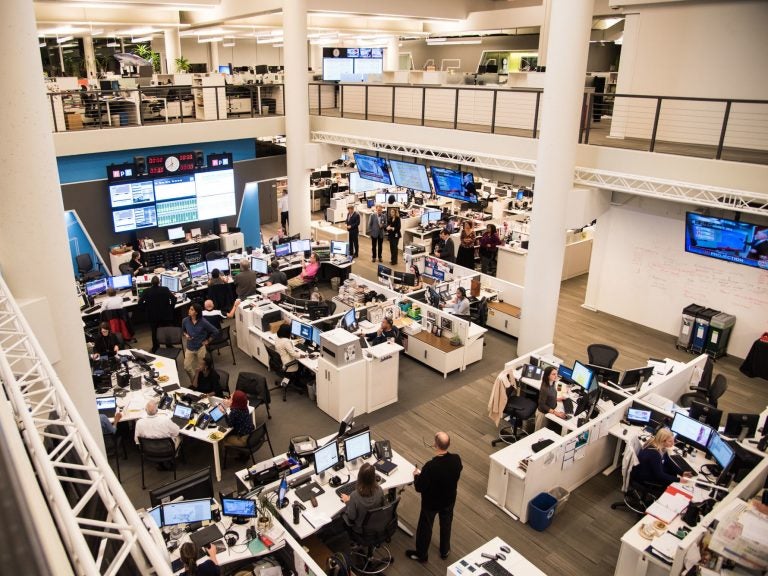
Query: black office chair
<point>86,268</point>
<point>478,312</point>
<point>125,268</point>
<point>285,378</point>
<point>222,340</point>
<point>223,380</point>
<point>637,495</point>
<point>159,451</point>
<point>169,337</point>
<point>112,445</point>
<point>705,395</point>
<point>602,355</point>
<point>256,440</point>
<point>304,291</point>
<point>215,255</point>
<point>222,296</point>
<point>379,525</point>
<point>518,410</point>
<point>255,387</point>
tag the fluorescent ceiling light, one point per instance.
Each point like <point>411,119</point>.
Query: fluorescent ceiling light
<point>214,39</point>
<point>280,45</point>
<point>113,44</point>
<point>142,39</point>
<point>43,44</point>
<point>228,44</point>
<point>444,42</point>
<point>137,31</point>
<point>63,40</point>
<point>69,45</point>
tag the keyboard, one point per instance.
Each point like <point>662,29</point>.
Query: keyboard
<point>568,406</point>
<point>682,464</point>
<point>91,309</point>
<point>350,486</point>
<point>495,569</point>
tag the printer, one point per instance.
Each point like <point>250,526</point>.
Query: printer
<point>340,347</point>
<point>261,314</point>
<point>412,249</point>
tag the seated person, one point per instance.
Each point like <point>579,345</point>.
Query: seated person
<point>188,557</point>
<point>276,276</point>
<point>239,419</point>
<point>206,380</point>
<point>386,330</point>
<point>107,426</point>
<point>135,262</point>
<point>155,425</point>
<point>367,495</point>
<point>548,397</point>
<point>288,352</point>
<point>212,314</point>
<point>216,277</point>
<point>459,305</point>
<point>654,465</point>
<point>278,238</point>
<point>106,343</point>
<point>308,273</point>
<point>112,301</point>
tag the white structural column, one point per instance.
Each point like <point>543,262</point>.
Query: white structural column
<point>33,227</point>
<point>90,59</point>
<point>570,26</point>
<point>299,150</point>
<point>214,48</point>
<point>392,54</point>
<point>172,49</point>
<point>544,32</point>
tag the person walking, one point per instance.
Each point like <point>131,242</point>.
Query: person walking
<point>377,229</point>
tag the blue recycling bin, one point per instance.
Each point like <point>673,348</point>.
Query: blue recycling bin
<point>541,510</point>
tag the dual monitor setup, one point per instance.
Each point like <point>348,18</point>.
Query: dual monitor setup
<point>240,510</point>
<point>356,445</point>
<point>386,274</point>
<point>100,286</point>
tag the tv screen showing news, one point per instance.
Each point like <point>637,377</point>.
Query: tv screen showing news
<point>358,184</point>
<point>410,175</point>
<point>351,64</point>
<point>124,194</point>
<point>372,168</point>
<point>454,184</point>
<point>739,242</point>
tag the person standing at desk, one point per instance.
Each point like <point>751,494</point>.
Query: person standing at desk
<point>159,302</point>
<point>353,228</point>
<point>444,248</point>
<point>489,250</point>
<point>548,397</point>
<point>199,333</point>
<point>377,225</point>
<point>466,255</point>
<point>437,483</point>
<point>654,466</point>
<point>245,282</point>
<point>460,304</point>
<point>393,233</point>
<point>284,210</point>
<point>367,495</point>
<point>308,273</point>
<point>105,344</point>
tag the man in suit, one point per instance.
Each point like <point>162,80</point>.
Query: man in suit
<point>159,303</point>
<point>444,248</point>
<point>353,227</point>
<point>377,229</point>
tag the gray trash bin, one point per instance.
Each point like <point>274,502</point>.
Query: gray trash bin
<point>561,494</point>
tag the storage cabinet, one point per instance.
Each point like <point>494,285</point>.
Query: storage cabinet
<point>210,97</point>
<point>504,318</point>
<point>437,353</point>
<point>339,389</point>
<point>382,376</point>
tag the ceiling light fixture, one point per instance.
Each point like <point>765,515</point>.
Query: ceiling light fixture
<point>214,39</point>
<point>268,40</point>
<point>445,42</point>
<point>228,45</point>
<point>64,39</point>
<point>142,39</point>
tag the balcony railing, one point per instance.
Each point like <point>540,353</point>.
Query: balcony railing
<point>727,129</point>
<point>98,109</point>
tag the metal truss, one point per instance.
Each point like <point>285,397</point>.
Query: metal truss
<point>98,526</point>
<point>685,192</point>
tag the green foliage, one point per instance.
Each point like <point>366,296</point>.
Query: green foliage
<point>145,51</point>
<point>182,64</point>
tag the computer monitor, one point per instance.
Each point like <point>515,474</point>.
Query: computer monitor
<point>349,321</point>
<point>241,510</point>
<point>604,374</point>
<point>719,451</point>
<point>636,377</point>
<point>298,246</point>
<point>259,265</point>
<point>106,403</point>
<point>156,514</point>
<point>301,330</point>
<point>741,425</point>
<point>220,264</point>
<point>409,279</point>
<point>283,250</point>
<point>690,431</point>
<point>384,272</point>
<point>357,446</point>
<point>639,416</point>
<point>326,457</point>
<point>96,287</point>
<point>434,297</point>
<point>381,198</point>
<point>170,282</point>
<point>347,422</point>
<point>339,248</point>
<point>565,373</point>
<point>176,233</point>
<point>710,415</point>
<point>318,310</point>
<point>122,282</point>
<point>199,484</point>
<point>583,376</point>
<point>198,269</point>
<point>187,512</point>
<point>225,69</point>
<point>185,278</point>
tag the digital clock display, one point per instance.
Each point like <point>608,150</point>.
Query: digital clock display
<point>156,165</point>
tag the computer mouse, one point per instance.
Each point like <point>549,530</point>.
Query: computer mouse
<point>624,432</point>
<point>506,549</point>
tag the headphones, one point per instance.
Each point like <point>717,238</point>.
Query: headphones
<point>231,537</point>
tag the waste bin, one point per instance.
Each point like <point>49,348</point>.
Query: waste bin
<point>561,494</point>
<point>701,330</point>
<point>312,391</point>
<point>115,119</point>
<point>719,333</point>
<point>541,510</point>
<point>686,327</point>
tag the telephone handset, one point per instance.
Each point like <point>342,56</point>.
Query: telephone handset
<point>383,450</point>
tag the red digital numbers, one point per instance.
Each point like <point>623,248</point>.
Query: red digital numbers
<point>157,170</point>
<point>187,156</point>
<point>155,159</point>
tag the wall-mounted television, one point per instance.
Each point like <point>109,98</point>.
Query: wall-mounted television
<point>359,185</point>
<point>410,175</point>
<point>729,240</point>
<point>124,194</point>
<point>454,184</point>
<point>373,168</point>
<point>351,64</point>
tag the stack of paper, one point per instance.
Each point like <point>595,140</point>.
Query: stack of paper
<point>665,546</point>
<point>668,506</point>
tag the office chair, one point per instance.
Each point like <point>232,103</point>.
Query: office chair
<point>379,525</point>
<point>168,337</point>
<point>478,312</point>
<point>306,289</point>
<point>518,410</point>
<point>118,323</point>
<point>285,378</point>
<point>215,255</point>
<point>637,495</point>
<point>705,395</point>
<point>112,445</point>
<point>125,268</point>
<point>602,355</point>
<point>86,269</point>
<point>222,340</point>
<point>255,387</point>
<point>159,451</point>
<point>256,440</point>
<point>223,380</point>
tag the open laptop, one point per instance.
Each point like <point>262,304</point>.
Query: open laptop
<point>205,536</point>
<point>181,414</point>
<point>106,405</point>
<point>219,417</point>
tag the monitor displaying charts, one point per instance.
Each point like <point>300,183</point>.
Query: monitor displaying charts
<point>410,175</point>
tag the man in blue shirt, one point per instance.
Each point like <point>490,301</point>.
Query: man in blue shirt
<point>199,333</point>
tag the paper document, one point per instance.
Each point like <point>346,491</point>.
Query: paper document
<point>666,545</point>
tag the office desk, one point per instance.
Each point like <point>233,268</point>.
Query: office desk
<point>273,289</point>
<point>328,233</point>
<point>435,351</point>
<point>515,562</point>
<point>420,237</point>
<point>504,317</point>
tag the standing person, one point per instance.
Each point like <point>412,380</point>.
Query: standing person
<point>377,224</point>
<point>199,333</point>
<point>466,255</point>
<point>444,247</point>
<point>548,397</point>
<point>353,227</point>
<point>284,210</point>
<point>393,233</point>
<point>437,484</point>
<point>489,250</point>
<point>159,302</point>
<point>245,282</point>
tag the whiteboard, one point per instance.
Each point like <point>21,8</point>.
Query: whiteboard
<point>645,275</point>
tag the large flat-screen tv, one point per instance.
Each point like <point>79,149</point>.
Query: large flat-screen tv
<point>358,184</point>
<point>129,219</point>
<point>372,168</point>
<point>351,64</point>
<point>724,239</point>
<point>124,194</point>
<point>454,184</point>
<point>192,197</point>
<point>410,175</point>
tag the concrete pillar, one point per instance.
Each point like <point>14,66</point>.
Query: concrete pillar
<point>172,49</point>
<point>297,119</point>
<point>34,250</point>
<point>570,26</point>
<point>213,47</point>
<point>316,58</point>
<point>392,54</point>
<point>91,73</point>
<point>544,32</point>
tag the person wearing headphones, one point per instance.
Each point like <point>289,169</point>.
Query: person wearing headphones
<point>460,304</point>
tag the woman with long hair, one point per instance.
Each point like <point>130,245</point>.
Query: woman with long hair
<point>188,557</point>
<point>548,397</point>
<point>466,255</point>
<point>367,495</point>
<point>654,464</point>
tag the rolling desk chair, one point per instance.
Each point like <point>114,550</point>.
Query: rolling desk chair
<point>86,268</point>
<point>222,340</point>
<point>705,395</point>
<point>256,440</point>
<point>222,296</point>
<point>255,387</point>
<point>125,268</point>
<point>637,495</point>
<point>518,410</point>
<point>602,355</point>
<point>379,525</point>
<point>286,378</point>
<point>159,451</point>
<point>215,255</point>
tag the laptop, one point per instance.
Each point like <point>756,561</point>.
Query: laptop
<point>219,417</point>
<point>181,415</point>
<point>205,536</point>
<point>107,405</point>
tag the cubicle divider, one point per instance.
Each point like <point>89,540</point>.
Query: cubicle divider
<point>677,383</point>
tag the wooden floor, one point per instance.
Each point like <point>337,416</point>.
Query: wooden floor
<point>584,536</point>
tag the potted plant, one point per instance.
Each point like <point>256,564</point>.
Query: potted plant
<point>182,64</point>
<point>455,340</point>
<point>266,511</point>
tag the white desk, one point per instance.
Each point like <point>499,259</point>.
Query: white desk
<point>273,289</point>
<point>514,561</point>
